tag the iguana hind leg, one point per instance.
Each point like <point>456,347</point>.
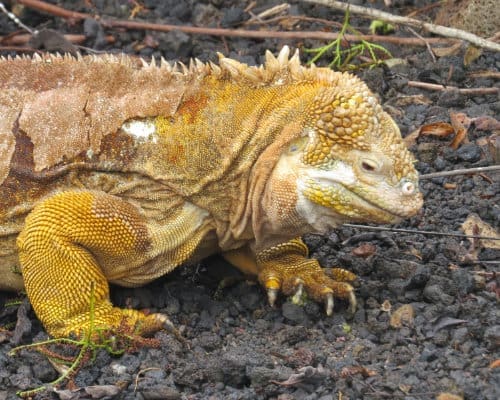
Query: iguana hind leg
<point>64,240</point>
<point>286,267</point>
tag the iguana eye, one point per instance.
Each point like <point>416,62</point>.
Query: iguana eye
<point>369,165</point>
<point>408,187</point>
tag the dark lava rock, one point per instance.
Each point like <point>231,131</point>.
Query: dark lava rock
<point>435,294</point>
<point>295,313</point>
<point>233,16</point>
<point>174,43</point>
<point>492,335</point>
<point>160,392</point>
<point>451,98</point>
<point>469,152</point>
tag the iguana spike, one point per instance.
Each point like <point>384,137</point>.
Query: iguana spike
<point>254,75</point>
<point>215,68</point>
<point>200,66</point>
<point>185,69</point>
<point>271,61</point>
<point>165,64</point>
<point>231,66</point>
<point>294,62</point>
<point>283,56</point>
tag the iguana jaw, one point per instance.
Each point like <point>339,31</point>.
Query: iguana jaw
<point>341,194</point>
<point>339,204</point>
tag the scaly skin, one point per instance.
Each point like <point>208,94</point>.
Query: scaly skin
<point>113,171</point>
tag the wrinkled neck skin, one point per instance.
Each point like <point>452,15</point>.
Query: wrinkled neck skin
<point>275,216</point>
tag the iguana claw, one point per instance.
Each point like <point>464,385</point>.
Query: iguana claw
<point>352,303</point>
<point>299,293</point>
<point>272,295</point>
<point>169,327</point>
<point>329,304</point>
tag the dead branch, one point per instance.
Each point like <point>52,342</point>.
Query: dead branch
<point>429,49</point>
<point>54,10</point>
<point>24,38</point>
<point>462,171</point>
<point>63,13</point>
<point>484,74</point>
<point>396,19</point>
<point>470,91</point>
<point>20,49</point>
<point>433,233</point>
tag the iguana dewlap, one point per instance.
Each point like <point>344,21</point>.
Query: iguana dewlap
<point>117,171</point>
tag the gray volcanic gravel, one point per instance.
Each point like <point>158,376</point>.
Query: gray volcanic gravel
<point>239,347</point>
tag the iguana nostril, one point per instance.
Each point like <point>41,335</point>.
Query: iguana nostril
<point>408,188</point>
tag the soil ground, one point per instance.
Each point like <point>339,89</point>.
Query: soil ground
<point>239,347</point>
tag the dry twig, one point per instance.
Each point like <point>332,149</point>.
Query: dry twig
<point>396,19</point>
<point>480,91</point>
<point>429,49</point>
<point>463,171</point>
<point>433,233</point>
<point>24,38</point>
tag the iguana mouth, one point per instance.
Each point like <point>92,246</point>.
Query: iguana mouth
<point>377,212</point>
<point>354,204</point>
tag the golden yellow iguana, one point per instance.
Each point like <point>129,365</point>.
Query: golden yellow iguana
<point>114,170</point>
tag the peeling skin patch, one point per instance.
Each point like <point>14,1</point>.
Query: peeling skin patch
<point>141,130</point>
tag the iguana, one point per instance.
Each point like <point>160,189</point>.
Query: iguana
<point>116,170</point>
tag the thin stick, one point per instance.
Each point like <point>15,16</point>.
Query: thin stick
<point>470,91</point>
<point>426,43</point>
<point>15,19</point>
<point>396,19</point>
<point>24,38</point>
<point>463,171</point>
<point>434,233</point>
<point>63,13</point>
<point>484,74</point>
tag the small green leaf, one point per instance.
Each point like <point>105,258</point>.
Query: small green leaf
<point>346,328</point>
<point>381,28</point>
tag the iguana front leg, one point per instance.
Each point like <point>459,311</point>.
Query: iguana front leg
<point>77,240</point>
<point>286,267</point>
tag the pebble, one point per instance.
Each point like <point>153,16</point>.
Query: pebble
<point>469,152</point>
<point>492,336</point>
<point>295,313</point>
<point>160,392</point>
<point>451,98</point>
<point>233,16</point>
<point>435,294</point>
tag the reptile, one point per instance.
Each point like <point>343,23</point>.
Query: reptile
<point>117,170</point>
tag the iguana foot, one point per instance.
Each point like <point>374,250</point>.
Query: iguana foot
<point>285,267</point>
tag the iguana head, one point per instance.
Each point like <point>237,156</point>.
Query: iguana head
<point>348,161</point>
<point>353,164</point>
